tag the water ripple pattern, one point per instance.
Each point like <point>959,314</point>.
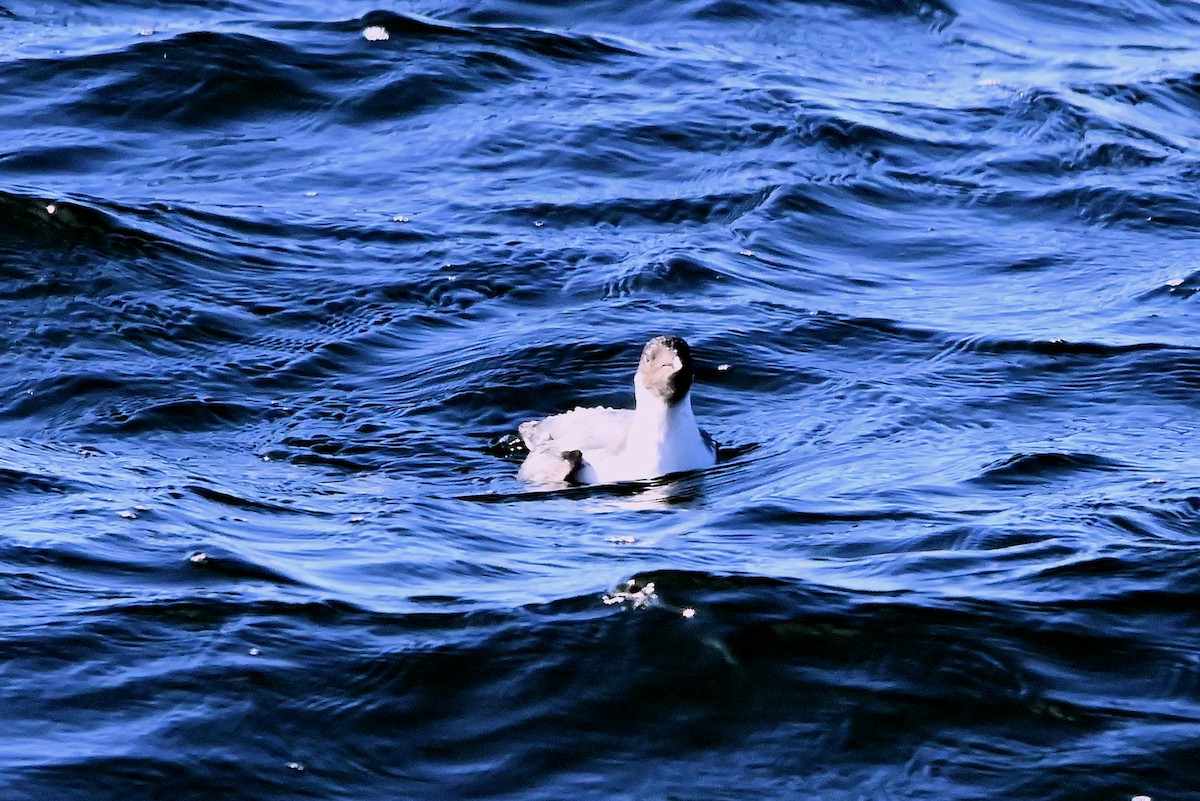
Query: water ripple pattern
<point>278,281</point>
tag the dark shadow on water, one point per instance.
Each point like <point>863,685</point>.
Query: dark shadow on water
<point>675,490</point>
<point>1029,468</point>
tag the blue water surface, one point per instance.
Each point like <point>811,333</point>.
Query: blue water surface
<point>279,280</point>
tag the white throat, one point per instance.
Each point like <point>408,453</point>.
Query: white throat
<point>656,421</point>
<point>662,438</point>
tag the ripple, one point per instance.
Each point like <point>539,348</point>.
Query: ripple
<point>271,305</point>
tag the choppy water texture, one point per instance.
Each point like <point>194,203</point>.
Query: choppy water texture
<point>277,280</point>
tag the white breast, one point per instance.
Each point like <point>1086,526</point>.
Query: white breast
<point>661,439</point>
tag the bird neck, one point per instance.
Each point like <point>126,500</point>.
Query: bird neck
<point>654,418</point>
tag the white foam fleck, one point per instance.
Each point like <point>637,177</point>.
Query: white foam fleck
<point>638,599</point>
<point>376,33</point>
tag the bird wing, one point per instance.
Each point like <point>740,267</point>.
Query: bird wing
<point>597,428</point>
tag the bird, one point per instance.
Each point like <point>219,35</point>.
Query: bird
<point>601,445</point>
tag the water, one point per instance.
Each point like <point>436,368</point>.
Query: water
<point>275,289</point>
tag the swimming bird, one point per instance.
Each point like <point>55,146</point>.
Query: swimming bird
<point>600,445</point>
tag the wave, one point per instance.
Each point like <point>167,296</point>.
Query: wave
<point>1036,467</point>
<point>14,480</point>
<point>755,664</point>
<point>272,307</point>
<point>680,11</point>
